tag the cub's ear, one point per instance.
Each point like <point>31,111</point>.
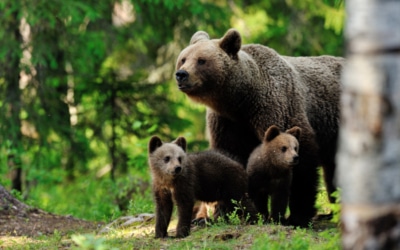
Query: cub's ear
<point>231,43</point>
<point>154,143</point>
<point>272,132</point>
<point>198,36</point>
<point>295,131</point>
<point>181,142</point>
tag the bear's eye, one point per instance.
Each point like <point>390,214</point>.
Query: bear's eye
<point>180,160</point>
<point>284,149</point>
<point>166,159</point>
<point>201,61</point>
<point>183,60</point>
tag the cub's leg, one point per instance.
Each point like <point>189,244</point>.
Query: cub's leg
<point>164,206</point>
<point>279,202</point>
<point>185,204</point>
<point>258,193</point>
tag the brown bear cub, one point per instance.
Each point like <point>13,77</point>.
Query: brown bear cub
<point>269,171</point>
<point>184,178</point>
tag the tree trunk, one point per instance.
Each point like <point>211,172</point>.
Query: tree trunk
<point>13,104</point>
<point>369,143</point>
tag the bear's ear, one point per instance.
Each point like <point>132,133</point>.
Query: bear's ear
<point>231,43</point>
<point>272,132</point>
<point>154,143</point>
<point>181,142</point>
<point>295,131</point>
<point>198,36</point>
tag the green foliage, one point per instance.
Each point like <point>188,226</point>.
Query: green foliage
<point>95,198</point>
<point>335,207</point>
<point>92,92</point>
<point>299,27</point>
<point>297,239</point>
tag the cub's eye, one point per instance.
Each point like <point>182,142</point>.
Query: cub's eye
<point>166,159</point>
<point>180,159</point>
<point>201,61</point>
<point>284,149</point>
<point>295,149</point>
<point>183,60</point>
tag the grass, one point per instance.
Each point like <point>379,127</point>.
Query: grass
<point>94,200</point>
<point>221,236</point>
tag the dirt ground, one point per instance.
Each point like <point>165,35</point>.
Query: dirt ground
<point>19,219</point>
<point>35,222</point>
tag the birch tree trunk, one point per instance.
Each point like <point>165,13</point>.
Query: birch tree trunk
<point>369,142</point>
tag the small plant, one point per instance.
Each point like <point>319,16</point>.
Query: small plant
<point>260,219</point>
<point>233,217</point>
<point>239,215</point>
<point>335,207</point>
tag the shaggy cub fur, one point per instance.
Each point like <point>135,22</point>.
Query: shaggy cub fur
<point>270,171</point>
<point>184,178</point>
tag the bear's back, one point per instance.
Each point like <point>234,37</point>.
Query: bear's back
<point>311,84</point>
<point>217,176</point>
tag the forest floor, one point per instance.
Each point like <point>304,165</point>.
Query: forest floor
<point>24,227</point>
<point>35,222</point>
<point>18,231</point>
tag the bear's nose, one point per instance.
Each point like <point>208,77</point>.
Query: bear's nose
<point>295,159</point>
<point>181,75</point>
<point>178,169</point>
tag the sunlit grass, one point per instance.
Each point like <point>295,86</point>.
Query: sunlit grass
<point>94,199</point>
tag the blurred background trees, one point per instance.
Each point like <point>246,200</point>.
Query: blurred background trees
<point>84,84</point>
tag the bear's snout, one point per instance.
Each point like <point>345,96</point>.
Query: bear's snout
<point>181,76</point>
<point>295,159</point>
<point>177,169</point>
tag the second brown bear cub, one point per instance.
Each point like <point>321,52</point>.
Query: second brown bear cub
<point>270,171</point>
<point>184,178</point>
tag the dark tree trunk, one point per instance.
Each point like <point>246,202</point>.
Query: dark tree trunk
<point>369,145</point>
<point>13,104</point>
<point>113,140</point>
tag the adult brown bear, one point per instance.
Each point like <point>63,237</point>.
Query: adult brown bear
<point>251,87</point>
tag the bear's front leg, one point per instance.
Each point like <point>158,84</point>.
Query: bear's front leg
<point>185,204</point>
<point>279,201</point>
<point>164,206</point>
<point>303,194</point>
<point>233,138</point>
<point>304,187</point>
<point>258,193</point>
<point>260,199</point>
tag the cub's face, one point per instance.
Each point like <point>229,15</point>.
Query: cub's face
<point>165,159</point>
<point>284,150</point>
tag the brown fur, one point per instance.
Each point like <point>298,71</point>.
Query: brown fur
<point>270,171</point>
<point>248,88</point>
<point>184,178</point>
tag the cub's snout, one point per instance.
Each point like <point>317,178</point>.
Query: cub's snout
<point>177,170</point>
<point>295,160</point>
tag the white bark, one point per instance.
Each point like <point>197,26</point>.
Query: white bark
<point>369,141</point>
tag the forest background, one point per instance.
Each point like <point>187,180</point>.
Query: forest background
<point>85,84</point>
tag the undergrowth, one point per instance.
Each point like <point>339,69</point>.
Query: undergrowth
<point>94,199</point>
